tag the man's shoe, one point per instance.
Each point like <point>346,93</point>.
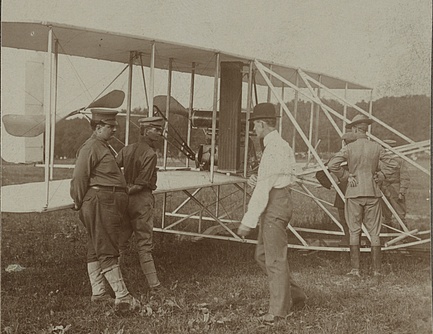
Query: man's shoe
<point>354,273</point>
<point>127,303</point>
<point>99,299</point>
<point>158,290</point>
<point>377,277</point>
<point>269,319</point>
<point>298,303</point>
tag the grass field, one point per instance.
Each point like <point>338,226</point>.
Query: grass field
<point>213,286</point>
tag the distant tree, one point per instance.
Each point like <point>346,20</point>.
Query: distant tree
<point>72,133</point>
<point>410,115</point>
<point>407,114</point>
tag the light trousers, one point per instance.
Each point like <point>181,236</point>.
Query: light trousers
<point>367,211</point>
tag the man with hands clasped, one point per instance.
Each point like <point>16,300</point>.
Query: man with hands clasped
<point>139,161</point>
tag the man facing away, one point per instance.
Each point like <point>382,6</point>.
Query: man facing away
<point>395,189</point>
<point>363,193</point>
<point>270,206</point>
<point>98,189</point>
<point>347,138</point>
<point>139,161</point>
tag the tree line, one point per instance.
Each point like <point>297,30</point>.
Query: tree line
<point>410,115</point>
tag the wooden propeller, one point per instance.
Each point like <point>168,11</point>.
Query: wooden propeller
<point>34,125</point>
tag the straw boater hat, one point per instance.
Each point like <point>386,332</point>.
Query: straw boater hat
<point>263,111</point>
<point>154,122</point>
<point>105,116</point>
<point>358,119</point>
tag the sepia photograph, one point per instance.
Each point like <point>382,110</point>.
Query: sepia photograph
<point>243,166</point>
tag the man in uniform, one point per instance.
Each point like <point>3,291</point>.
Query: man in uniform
<point>395,188</point>
<point>363,193</point>
<point>270,206</point>
<point>98,189</point>
<point>139,161</point>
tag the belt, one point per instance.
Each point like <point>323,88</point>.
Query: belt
<point>110,188</point>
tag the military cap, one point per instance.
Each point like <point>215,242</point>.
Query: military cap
<point>263,111</point>
<point>155,122</point>
<point>106,116</point>
<point>358,119</point>
<point>390,142</point>
<point>349,137</point>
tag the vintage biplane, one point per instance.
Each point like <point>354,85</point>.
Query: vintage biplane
<point>235,81</point>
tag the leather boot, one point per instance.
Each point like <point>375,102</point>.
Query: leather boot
<point>354,260</point>
<point>97,283</point>
<point>149,270</point>
<point>376,260</point>
<point>124,300</point>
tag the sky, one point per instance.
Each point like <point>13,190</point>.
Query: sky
<point>384,44</point>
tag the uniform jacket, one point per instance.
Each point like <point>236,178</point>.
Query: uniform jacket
<point>139,161</point>
<point>95,166</point>
<point>363,158</point>
<point>400,179</point>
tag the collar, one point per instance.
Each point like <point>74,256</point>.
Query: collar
<point>362,136</point>
<point>271,136</point>
<point>144,139</point>
<point>94,136</point>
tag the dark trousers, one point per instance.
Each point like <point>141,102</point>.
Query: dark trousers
<point>342,219</point>
<point>398,205</point>
<point>271,252</point>
<point>102,214</point>
<point>140,221</point>
<point>139,217</point>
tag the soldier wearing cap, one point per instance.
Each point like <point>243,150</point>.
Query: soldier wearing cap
<point>98,189</point>
<point>139,161</point>
<point>270,207</point>
<point>395,189</point>
<point>363,193</point>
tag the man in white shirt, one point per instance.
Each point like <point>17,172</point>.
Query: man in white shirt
<point>271,206</point>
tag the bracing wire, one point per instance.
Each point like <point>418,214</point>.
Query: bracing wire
<point>183,147</point>
<point>117,76</point>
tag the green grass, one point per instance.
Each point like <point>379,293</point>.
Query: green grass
<point>213,286</point>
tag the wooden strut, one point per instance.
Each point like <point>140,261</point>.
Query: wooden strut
<point>336,127</point>
<point>378,121</point>
<point>401,237</point>
<point>325,109</point>
<point>262,68</point>
<point>210,213</point>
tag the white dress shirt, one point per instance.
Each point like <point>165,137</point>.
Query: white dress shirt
<point>276,170</point>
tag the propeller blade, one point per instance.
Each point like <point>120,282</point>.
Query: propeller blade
<point>24,125</point>
<point>175,107</point>
<point>114,99</point>
<point>34,125</point>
